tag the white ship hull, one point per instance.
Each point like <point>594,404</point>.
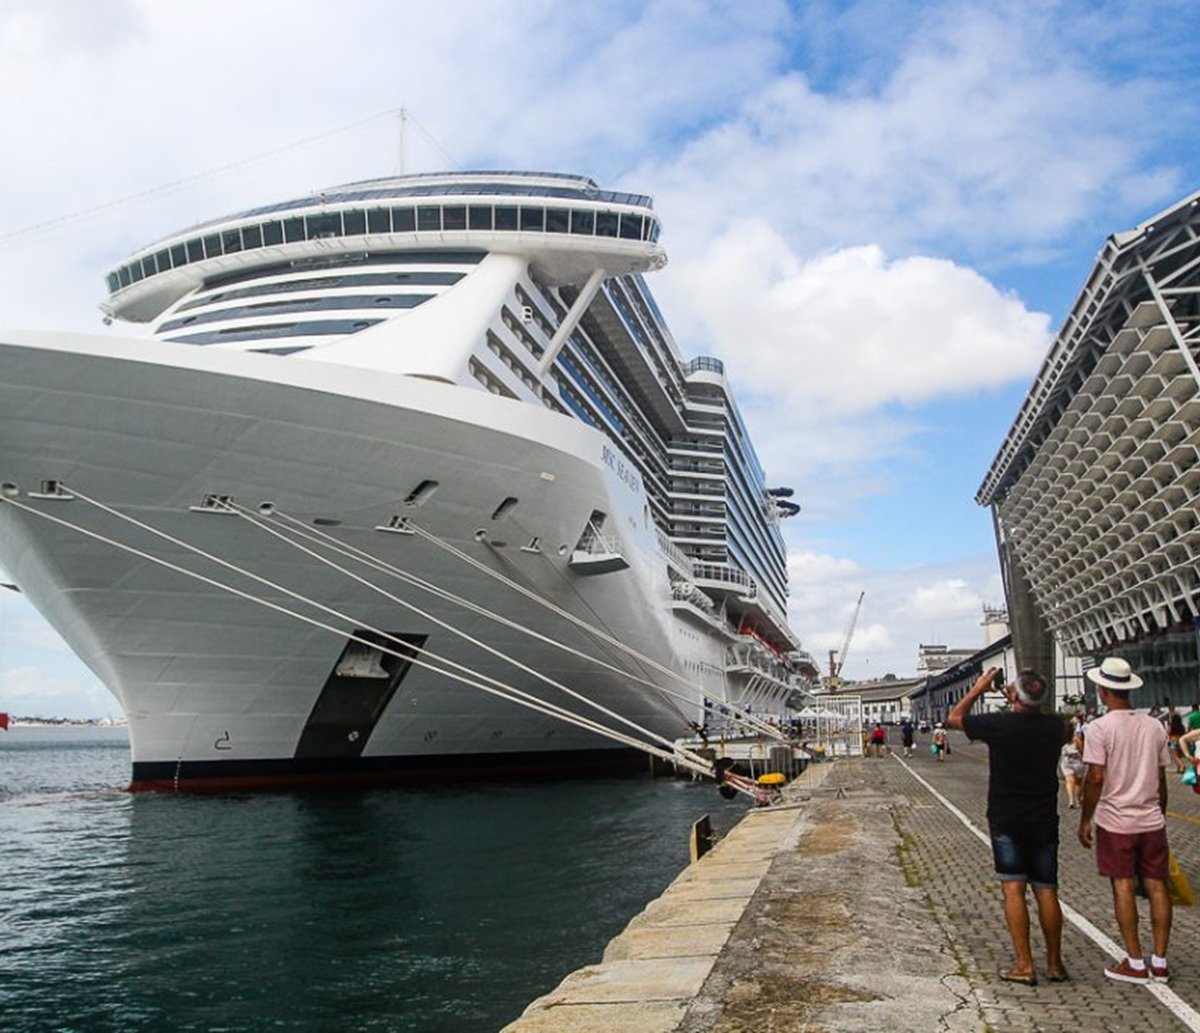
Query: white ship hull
<point>222,690</point>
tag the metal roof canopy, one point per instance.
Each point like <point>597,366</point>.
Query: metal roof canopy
<point>1154,262</point>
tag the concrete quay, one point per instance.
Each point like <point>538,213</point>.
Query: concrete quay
<point>868,901</point>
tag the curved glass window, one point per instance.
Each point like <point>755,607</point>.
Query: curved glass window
<point>429,278</point>
<point>290,306</point>
<point>583,221</point>
<point>267,331</point>
<point>358,222</point>
<point>379,220</point>
<point>322,226</point>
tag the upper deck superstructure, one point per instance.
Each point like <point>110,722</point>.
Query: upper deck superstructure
<point>531,285</point>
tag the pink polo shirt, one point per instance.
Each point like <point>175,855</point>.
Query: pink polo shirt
<point>1133,749</point>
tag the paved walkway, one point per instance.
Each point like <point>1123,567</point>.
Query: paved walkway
<point>871,904</point>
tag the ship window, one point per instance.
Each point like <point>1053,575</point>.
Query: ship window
<point>606,224</point>
<point>631,227</point>
<point>653,234</point>
<point>583,222</point>
<point>480,217</point>
<point>195,250</point>
<point>163,258</point>
<point>179,255</point>
<point>421,494</point>
<point>505,507</point>
<point>328,224</point>
<point>533,218</point>
<point>557,220</point>
<point>379,220</point>
<point>429,217</point>
<point>251,237</point>
<point>231,240</point>
<point>293,228</point>
<point>272,232</point>
<point>135,272</point>
<point>212,246</point>
<point>454,217</point>
<point>402,220</point>
<point>148,266</point>
<point>355,221</point>
<point>114,283</point>
<point>506,217</point>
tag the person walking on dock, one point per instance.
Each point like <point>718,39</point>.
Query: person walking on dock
<point>1023,753</point>
<point>907,736</point>
<point>1124,809</point>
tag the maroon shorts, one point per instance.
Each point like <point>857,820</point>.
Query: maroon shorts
<point>1123,856</point>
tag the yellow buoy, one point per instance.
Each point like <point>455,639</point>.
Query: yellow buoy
<point>771,778</point>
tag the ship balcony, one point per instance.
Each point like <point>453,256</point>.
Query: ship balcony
<point>597,554</point>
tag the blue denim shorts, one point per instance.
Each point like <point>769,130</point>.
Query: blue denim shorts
<point>1026,858</point>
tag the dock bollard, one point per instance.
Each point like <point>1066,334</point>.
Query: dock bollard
<point>781,758</point>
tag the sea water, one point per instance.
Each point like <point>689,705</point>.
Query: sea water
<point>439,908</point>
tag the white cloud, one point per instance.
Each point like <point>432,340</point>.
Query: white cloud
<point>948,599</point>
<point>980,133</point>
<point>901,609</point>
<point>850,331</point>
<point>37,691</point>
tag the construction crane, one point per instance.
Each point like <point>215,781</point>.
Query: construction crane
<point>838,658</point>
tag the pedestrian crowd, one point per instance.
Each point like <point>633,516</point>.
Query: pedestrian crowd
<point>1113,768</point>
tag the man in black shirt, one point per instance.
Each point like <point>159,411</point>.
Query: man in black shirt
<point>1023,752</point>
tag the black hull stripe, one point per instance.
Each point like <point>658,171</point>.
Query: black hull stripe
<point>299,773</point>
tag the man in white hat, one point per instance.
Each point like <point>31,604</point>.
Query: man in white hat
<point>1124,808</point>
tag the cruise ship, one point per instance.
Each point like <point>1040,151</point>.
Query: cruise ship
<point>402,479</point>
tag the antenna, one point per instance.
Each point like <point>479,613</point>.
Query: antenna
<point>401,162</point>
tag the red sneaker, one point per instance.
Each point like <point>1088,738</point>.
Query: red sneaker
<point>1126,973</point>
<point>1160,972</point>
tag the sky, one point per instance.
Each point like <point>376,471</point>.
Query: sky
<point>878,214</point>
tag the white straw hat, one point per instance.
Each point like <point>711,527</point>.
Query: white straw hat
<point>1115,673</point>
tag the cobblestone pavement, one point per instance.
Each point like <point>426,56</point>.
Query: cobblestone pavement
<point>954,867</point>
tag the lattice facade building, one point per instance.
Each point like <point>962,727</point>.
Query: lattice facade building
<point>1094,490</point>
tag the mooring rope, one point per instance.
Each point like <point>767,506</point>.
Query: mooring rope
<point>747,719</point>
<point>407,651</point>
<point>381,566</point>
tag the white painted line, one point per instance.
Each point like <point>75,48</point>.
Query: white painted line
<point>1180,1008</point>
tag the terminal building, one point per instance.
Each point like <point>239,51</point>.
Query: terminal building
<point>1093,491</point>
